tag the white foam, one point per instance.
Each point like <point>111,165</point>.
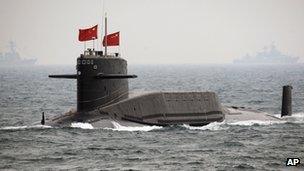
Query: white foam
<point>25,127</point>
<point>81,125</point>
<point>298,115</point>
<point>277,116</point>
<point>294,118</point>
<point>214,126</point>
<point>118,127</point>
<point>255,122</point>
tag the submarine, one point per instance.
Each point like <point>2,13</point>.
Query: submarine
<point>103,96</point>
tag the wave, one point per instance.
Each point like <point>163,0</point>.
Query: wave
<point>81,125</point>
<point>118,127</point>
<point>255,122</point>
<point>25,127</point>
<point>214,126</point>
<point>294,118</point>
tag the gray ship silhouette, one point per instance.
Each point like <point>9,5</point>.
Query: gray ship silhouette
<point>269,55</point>
<point>12,58</point>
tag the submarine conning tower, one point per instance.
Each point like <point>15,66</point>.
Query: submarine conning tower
<point>101,80</point>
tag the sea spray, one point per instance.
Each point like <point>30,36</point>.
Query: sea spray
<point>25,127</point>
<point>81,125</point>
<point>214,126</point>
<point>294,118</point>
<point>255,122</point>
<point>118,127</point>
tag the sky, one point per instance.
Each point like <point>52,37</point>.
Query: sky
<point>154,31</point>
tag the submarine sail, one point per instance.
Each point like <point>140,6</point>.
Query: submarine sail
<point>101,80</point>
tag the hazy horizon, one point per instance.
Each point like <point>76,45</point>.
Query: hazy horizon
<point>155,32</point>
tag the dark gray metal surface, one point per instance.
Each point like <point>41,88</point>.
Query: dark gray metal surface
<point>286,101</point>
<point>168,108</point>
<point>93,92</point>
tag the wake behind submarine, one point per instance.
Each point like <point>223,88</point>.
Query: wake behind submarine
<point>103,96</point>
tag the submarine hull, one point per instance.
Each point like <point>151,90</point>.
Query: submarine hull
<point>168,108</point>
<point>157,108</point>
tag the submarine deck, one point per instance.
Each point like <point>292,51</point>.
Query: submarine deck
<point>243,114</point>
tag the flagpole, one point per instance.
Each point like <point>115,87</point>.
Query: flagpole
<point>103,16</point>
<point>106,36</point>
<point>93,44</point>
<point>119,43</point>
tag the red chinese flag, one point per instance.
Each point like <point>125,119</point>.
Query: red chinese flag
<point>88,34</point>
<point>112,39</point>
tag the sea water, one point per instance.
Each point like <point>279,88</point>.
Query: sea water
<point>257,145</point>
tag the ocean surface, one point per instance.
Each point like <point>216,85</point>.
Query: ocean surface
<point>249,145</point>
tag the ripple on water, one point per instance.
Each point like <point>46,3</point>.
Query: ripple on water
<point>244,146</point>
<point>231,144</point>
<point>244,167</point>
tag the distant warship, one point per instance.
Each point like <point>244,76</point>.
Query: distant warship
<point>269,55</point>
<point>103,96</point>
<point>12,58</point>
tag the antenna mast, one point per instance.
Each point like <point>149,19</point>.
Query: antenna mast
<point>106,36</point>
